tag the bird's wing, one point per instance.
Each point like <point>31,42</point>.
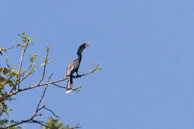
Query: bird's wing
<point>72,66</point>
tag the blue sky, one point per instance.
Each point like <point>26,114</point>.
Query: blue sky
<point>145,49</point>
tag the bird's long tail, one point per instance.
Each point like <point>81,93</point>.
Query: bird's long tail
<point>69,84</point>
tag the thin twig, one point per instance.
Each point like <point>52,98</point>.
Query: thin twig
<point>59,86</point>
<point>64,87</point>
<point>76,127</point>
<point>44,70</point>
<point>10,48</point>
<point>27,69</point>
<point>26,76</point>
<point>50,111</point>
<point>8,65</point>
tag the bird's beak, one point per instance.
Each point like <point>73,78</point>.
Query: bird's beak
<point>88,44</point>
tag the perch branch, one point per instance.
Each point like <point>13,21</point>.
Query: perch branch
<point>43,84</point>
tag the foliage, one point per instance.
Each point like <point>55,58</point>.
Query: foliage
<point>10,78</point>
<point>55,123</point>
<point>2,50</point>
<point>4,122</point>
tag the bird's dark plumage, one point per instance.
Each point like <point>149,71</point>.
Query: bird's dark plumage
<point>74,66</point>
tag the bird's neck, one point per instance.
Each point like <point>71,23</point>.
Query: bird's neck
<point>80,57</point>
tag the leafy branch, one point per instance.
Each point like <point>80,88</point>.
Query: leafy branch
<point>13,79</point>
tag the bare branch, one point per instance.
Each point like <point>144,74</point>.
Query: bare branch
<point>26,76</point>
<point>76,127</point>
<point>50,111</point>
<point>43,94</point>
<point>10,48</point>
<point>18,123</point>
<point>27,69</point>
<point>20,66</point>
<point>26,121</point>
<point>59,86</point>
<point>5,49</point>
<point>76,89</point>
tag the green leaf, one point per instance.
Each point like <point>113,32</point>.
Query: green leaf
<point>47,49</point>
<point>15,73</point>
<point>6,112</point>
<point>46,59</point>
<point>5,71</point>
<point>24,38</point>
<point>77,89</point>
<point>4,106</point>
<point>2,86</point>
<point>2,79</point>
<point>6,82</point>
<point>30,39</point>
<point>6,59</point>
<point>43,64</point>
<point>18,45</point>
<point>2,49</point>
<point>10,82</point>
<point>33,58</point>
<point>99,68</point>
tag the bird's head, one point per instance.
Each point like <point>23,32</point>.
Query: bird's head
<point>82,47</point>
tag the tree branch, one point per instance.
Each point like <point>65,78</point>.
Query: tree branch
<point>40,123</point>
<point>44,70</point>
<point>50,111</point>
<point>43,94</point>
<point>76,127</point>
<point>43,84</point>
<point>20,66</point>
<point>64,87</point>
<point>31,119</point>
<point>26,71</point>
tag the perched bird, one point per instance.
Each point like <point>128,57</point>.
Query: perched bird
<point>74,66</point>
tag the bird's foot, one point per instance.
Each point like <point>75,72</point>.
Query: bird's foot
<point>78,76</point>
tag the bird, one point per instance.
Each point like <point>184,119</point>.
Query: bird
<point>74,66</point>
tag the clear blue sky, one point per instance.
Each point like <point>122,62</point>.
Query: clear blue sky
<point>146,50</point>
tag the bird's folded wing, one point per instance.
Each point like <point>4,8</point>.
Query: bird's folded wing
<point>72,66</point>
